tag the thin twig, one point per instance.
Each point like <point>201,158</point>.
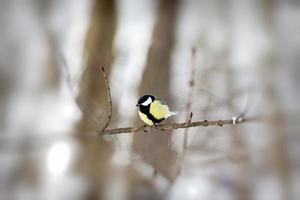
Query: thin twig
<point>70,83</point>
<point>190,118</point>
<point>172,126</point>
<point>189,114</point>
<point>109,101</point>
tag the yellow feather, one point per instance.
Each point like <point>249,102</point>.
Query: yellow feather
<point>159,110</point>
<point>145,119</point>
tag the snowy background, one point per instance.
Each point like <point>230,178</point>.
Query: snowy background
<point>53,98</point>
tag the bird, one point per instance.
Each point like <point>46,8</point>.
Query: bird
<point>153,110</point>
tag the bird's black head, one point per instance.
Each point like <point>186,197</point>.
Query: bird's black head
<point>145,101</point>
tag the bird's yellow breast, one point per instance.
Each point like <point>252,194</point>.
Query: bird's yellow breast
<point>145,119</point>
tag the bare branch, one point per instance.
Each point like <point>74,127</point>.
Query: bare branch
<point>190,117</point>
<point>164,127</point>
<point>70,83</point>
<point>109,101</point>
<point>189,114</point>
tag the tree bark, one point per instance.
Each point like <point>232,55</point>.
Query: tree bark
<point>96,153</point>
<point>155,148</point>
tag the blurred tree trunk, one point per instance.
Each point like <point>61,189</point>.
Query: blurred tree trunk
<point>237,142</point>
<point>94,160</point>
<point>279,136</point>
<point>154,148</point>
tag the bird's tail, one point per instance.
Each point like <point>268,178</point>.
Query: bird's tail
<point>172,113</point>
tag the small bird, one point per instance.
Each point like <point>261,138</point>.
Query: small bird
<point>153,110</point>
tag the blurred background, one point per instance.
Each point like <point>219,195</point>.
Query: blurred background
<point>216,58</point>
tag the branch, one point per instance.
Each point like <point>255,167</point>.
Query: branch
<point>162,127</point>
<point>189,114</point>
<point>70,83</point>
<point>109,101</point>
<point>173,126</point>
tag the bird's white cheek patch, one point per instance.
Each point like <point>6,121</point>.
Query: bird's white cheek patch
<point>146,103</point>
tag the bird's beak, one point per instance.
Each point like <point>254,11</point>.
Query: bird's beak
<point>138,106</point>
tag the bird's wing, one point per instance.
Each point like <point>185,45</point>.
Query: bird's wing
<point>159,110</point>
<point>169,113</point>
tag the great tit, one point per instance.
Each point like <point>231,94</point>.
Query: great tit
<point>153,110</point>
